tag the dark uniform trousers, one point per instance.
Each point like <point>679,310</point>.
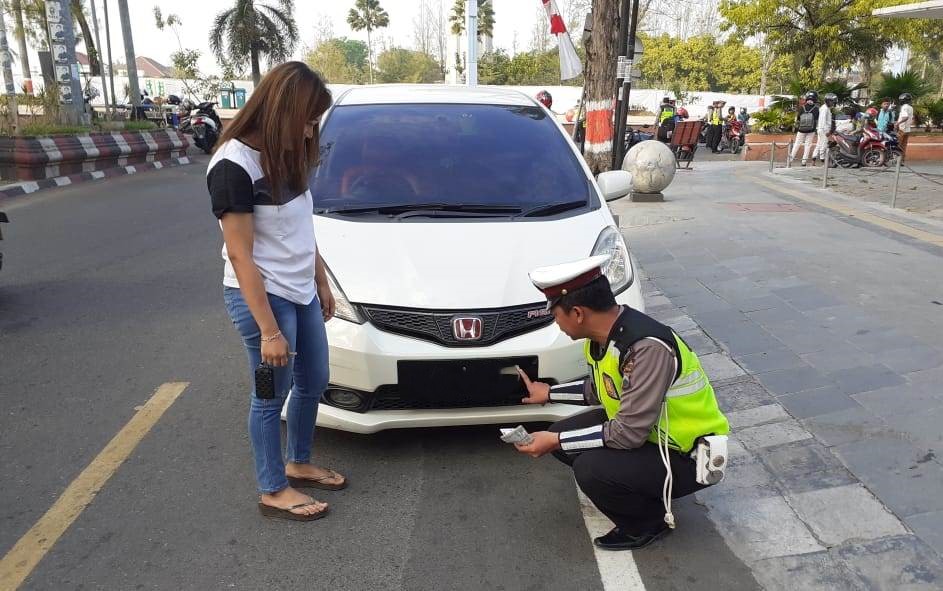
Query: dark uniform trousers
<point>626,484</point>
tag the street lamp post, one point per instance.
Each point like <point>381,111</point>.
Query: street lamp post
<point>628,20</point>
<point>471,31</point>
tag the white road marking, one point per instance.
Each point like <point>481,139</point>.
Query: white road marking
<point>616,569</point>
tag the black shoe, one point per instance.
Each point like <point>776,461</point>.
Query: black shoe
<point>616,539</point>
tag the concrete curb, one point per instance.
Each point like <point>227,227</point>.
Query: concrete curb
<point>28,187</point>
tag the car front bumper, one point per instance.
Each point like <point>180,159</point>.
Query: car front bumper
<point>364,358</point>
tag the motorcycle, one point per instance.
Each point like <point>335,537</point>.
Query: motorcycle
<point>732,137</point>
<point>865,148</point>
<point>205,125</point>
<point>891,148</point>
<point>634,136</point>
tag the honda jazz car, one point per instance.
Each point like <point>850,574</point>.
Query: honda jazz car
<point>432,204</point>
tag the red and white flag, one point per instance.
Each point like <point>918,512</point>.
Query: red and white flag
<point>570,65</point>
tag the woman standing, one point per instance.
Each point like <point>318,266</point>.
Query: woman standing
<point>275,283</point>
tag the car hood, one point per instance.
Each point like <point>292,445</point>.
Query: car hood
<point>450,265</point>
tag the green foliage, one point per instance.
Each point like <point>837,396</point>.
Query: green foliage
<point>892,86</point>
<point>340,60</point>
<point>252,29</point>
<point>139,125</point>
<point>407,66</point>
<point>774,120</point>
<point>701,64</point>
<point>368,15</point>
<point>935,111</point>
<point>485,18</point>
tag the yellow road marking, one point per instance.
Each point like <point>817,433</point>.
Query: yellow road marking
<point>20,561</point>
<point>850,211</point>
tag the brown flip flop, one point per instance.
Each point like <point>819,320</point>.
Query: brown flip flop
<point>319,482</point>
<point>269,511</point>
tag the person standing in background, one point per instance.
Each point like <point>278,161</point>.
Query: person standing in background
<point>824,127</point>
<point>884,116</point>
<point>806,121</point>
<point>905,122</point>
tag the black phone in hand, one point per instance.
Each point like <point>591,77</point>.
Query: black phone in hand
<point>265,382</point>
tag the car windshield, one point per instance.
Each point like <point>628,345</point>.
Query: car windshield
<point>485,160</point>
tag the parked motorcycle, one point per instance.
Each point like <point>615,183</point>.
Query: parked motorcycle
<point>204,124</point>
<point>891,148</point>
<point>865,148</point>
<point>3,220</point>
<point>634,136</point>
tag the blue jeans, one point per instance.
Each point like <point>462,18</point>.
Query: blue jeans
<point>306,375</point>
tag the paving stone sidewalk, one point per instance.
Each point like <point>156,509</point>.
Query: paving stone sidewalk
<point>822,339</point>
<point>920,189</point>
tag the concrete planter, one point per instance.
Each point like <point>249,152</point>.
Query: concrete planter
<point>922,147</point>
<point>39,158</point>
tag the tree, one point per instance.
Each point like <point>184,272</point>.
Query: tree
<point>820,35</point>
<point>94,59</point>
<point>601,52</point>
<point>251,29</point>
<point>340,61</point>
<point>892,86</point>
<point>20,33</point>
<point>485,18</point>
<point>368,15</point>
<point>494,67</point>
<point>407,66</point>
<point>172,22</point>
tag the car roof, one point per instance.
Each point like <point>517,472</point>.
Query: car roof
<point>399,94</point>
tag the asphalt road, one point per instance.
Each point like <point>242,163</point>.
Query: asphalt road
<point>112,288</point>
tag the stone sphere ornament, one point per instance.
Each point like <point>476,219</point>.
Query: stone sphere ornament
<point>652,165</point>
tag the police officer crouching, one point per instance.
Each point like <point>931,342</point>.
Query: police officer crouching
<point>657,408</point>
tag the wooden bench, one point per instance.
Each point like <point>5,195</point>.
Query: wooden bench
<point>683,142</point>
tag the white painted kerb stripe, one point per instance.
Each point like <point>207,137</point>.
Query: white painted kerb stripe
<point>616,569</point>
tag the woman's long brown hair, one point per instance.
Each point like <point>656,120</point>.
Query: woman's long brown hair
<point>289,97</point>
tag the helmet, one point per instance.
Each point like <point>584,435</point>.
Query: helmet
<point>173,99</point>
<point>544,98</point>
<point>831,99</point>
<point>666,99</point>
<point>812,96</point>
<point>906,98</point>
<point>682,112</point>
<point>872,112</point>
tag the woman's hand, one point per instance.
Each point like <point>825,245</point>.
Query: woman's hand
<point>328,305</point>
<point>275,353</point>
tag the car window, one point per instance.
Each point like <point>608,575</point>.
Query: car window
<point>445,154</point>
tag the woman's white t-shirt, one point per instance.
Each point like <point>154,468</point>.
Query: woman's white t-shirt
<point>284,247</point>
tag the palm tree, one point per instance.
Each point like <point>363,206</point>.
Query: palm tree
<point>893,85</point>
<point>485,18</point>
<point>368,15</point>
<point>20,34</point>
<point>251,29</point>
<point>94,59</point>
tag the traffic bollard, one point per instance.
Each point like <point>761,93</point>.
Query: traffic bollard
<point>825,172</point>
<point>789,155</point>
<point>772,155</point>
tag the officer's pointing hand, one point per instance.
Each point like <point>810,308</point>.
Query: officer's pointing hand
<point>544,442</point>
<point>537,392</point>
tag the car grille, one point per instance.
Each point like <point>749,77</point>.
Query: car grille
<point>436,326</point>
<point>391,400</point>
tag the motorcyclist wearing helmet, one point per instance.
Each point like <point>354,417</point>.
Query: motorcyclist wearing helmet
<point>545,98</point>
<point>806,123</point>
<point>825,125</point>
<point>905,121</point>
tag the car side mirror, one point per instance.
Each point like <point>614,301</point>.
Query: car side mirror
<point>614,184</point>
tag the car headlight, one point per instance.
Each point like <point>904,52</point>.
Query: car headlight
<point>619,269</point>
<point>343,309</point>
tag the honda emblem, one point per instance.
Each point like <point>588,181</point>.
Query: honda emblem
<point>466,329</point>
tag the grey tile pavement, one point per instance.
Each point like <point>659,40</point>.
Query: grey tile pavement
<point>770,360</point>
<point>909,359</point>
<point>741,394</point>
<point>846,426</point>
<point>817,571</point>
<point>899,563</point>
<point>764,436</point>
<point>843,357</point>
<point>806,297</point>
<point>820,401</point>
<point>929,526</point>
<point>843,513</point>
<point>904,477</point>
<point>806,465</point>
<point>799,379</point>
<point>864,379</point>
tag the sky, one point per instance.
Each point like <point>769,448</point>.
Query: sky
<point>511,16</point>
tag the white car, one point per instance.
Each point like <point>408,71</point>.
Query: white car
<point>432,204</point>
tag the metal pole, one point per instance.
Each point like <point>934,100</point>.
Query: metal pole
<point>7,60</point>
<point>129,56</point>
<point>896,181</point>
<point>111,68</point>
<point>471,30</point>
<point>825,173</point>
<point>789,154</point>
<point>627,20</point>
<point>98,44</point>
<point>772,155</point>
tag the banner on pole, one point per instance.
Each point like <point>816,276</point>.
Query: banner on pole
<point>570,65</point>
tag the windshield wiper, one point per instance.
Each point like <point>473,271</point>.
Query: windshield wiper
<point>552,208</point>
